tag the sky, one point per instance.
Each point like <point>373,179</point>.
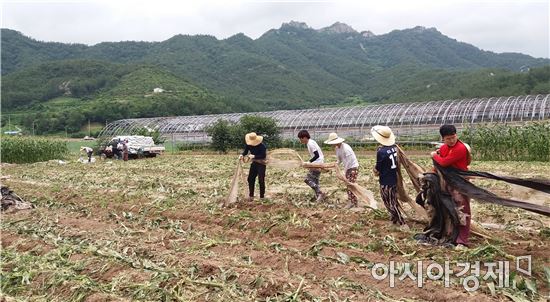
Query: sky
<point>498,26</point>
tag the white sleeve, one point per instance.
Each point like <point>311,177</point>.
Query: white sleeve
<point>310,148</point>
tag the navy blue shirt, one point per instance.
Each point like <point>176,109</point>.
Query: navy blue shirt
<point>386,164</point>
<point>259,151</point>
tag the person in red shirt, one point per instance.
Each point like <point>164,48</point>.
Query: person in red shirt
<point>456,154</point>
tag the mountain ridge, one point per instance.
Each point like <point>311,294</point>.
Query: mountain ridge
<point>292,67</point>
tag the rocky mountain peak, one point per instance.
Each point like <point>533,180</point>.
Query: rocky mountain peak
<point>295,24</point>
<point>338,28</point>
<point>367,34</point>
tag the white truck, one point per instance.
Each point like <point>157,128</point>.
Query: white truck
<point>139,145</point>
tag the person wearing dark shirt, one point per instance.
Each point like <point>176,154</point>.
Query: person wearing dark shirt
<point>116,151</point>
<point>456,154</point>
<point>258,153</point>
<point>386,169</point>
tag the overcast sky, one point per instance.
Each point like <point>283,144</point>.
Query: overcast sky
<point>499,26</point>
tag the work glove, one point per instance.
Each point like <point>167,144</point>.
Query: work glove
<point>251,156</point>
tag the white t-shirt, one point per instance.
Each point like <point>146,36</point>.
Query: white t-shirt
<point>87,149</point>
<point>346,156</point>
<point>312,146</point>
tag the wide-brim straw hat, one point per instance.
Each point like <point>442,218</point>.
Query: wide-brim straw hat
<point>253,139</point>
<point>383,135</point>
<point>333,139</point>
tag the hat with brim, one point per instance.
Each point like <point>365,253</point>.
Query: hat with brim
<point>333,139</point>
<point>383,135</point>
<point>253,139</point>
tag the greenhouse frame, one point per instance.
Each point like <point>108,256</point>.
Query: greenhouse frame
<point>416,121</point>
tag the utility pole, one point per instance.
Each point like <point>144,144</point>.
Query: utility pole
<point>89,131</point>
<point>173,143</point>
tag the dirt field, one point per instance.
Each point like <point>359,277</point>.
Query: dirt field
<point>153,230</point>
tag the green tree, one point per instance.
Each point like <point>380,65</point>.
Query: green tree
<point>226,135</point>
<point>264,126</point>
<point>74,121</point>
<point>221,135</point>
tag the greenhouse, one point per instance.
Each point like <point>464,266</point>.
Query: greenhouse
<point>409,121</point>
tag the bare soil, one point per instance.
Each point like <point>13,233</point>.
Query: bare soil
<point>153,230</point>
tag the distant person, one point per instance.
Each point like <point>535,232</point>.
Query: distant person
<point>454,153</point>
<point>346,157</point>
<point>316,154</point>
<point>119,148</point>
<point>115,150</point>
<point>107,152</point>
<point>125,150</point>
<point>386,169</point>
<point>258,153</point>
<point>88,151</point>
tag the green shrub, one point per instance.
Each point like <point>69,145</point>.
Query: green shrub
<point>192,146</point>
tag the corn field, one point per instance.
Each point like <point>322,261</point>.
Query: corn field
<point>20,150</point>
<point>530,142</point>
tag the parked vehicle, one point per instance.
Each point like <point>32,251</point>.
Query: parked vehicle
<point>138,146</point>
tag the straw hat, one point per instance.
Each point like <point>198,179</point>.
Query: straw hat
<point>383,135</point>
<point>333,139</point>
<point>253,139</point>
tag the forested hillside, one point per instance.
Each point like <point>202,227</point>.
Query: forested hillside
<point>291,67</point>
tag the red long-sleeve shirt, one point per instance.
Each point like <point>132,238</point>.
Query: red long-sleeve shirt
<point>455,156</point>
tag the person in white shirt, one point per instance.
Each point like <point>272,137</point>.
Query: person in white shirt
<point>346,157</point>
<point>89,151</point>
<point>312,178</point>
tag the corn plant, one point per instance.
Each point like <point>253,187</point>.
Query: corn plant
<point>529,142</point>
<point>21,150</point>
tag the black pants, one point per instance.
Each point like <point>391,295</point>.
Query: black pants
<point>256,169</point>
<point>90,156</point>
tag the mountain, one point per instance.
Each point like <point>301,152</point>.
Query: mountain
<point>63,95</point>
<point>294,66</point>
<point>19,51</point>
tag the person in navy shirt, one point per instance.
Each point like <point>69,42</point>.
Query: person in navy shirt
<point>258,153</point>
<point>386,169</point>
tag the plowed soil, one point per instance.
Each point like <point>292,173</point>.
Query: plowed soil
<point>154,230</point>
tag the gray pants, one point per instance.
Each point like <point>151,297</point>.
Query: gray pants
<point>312,180</point>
